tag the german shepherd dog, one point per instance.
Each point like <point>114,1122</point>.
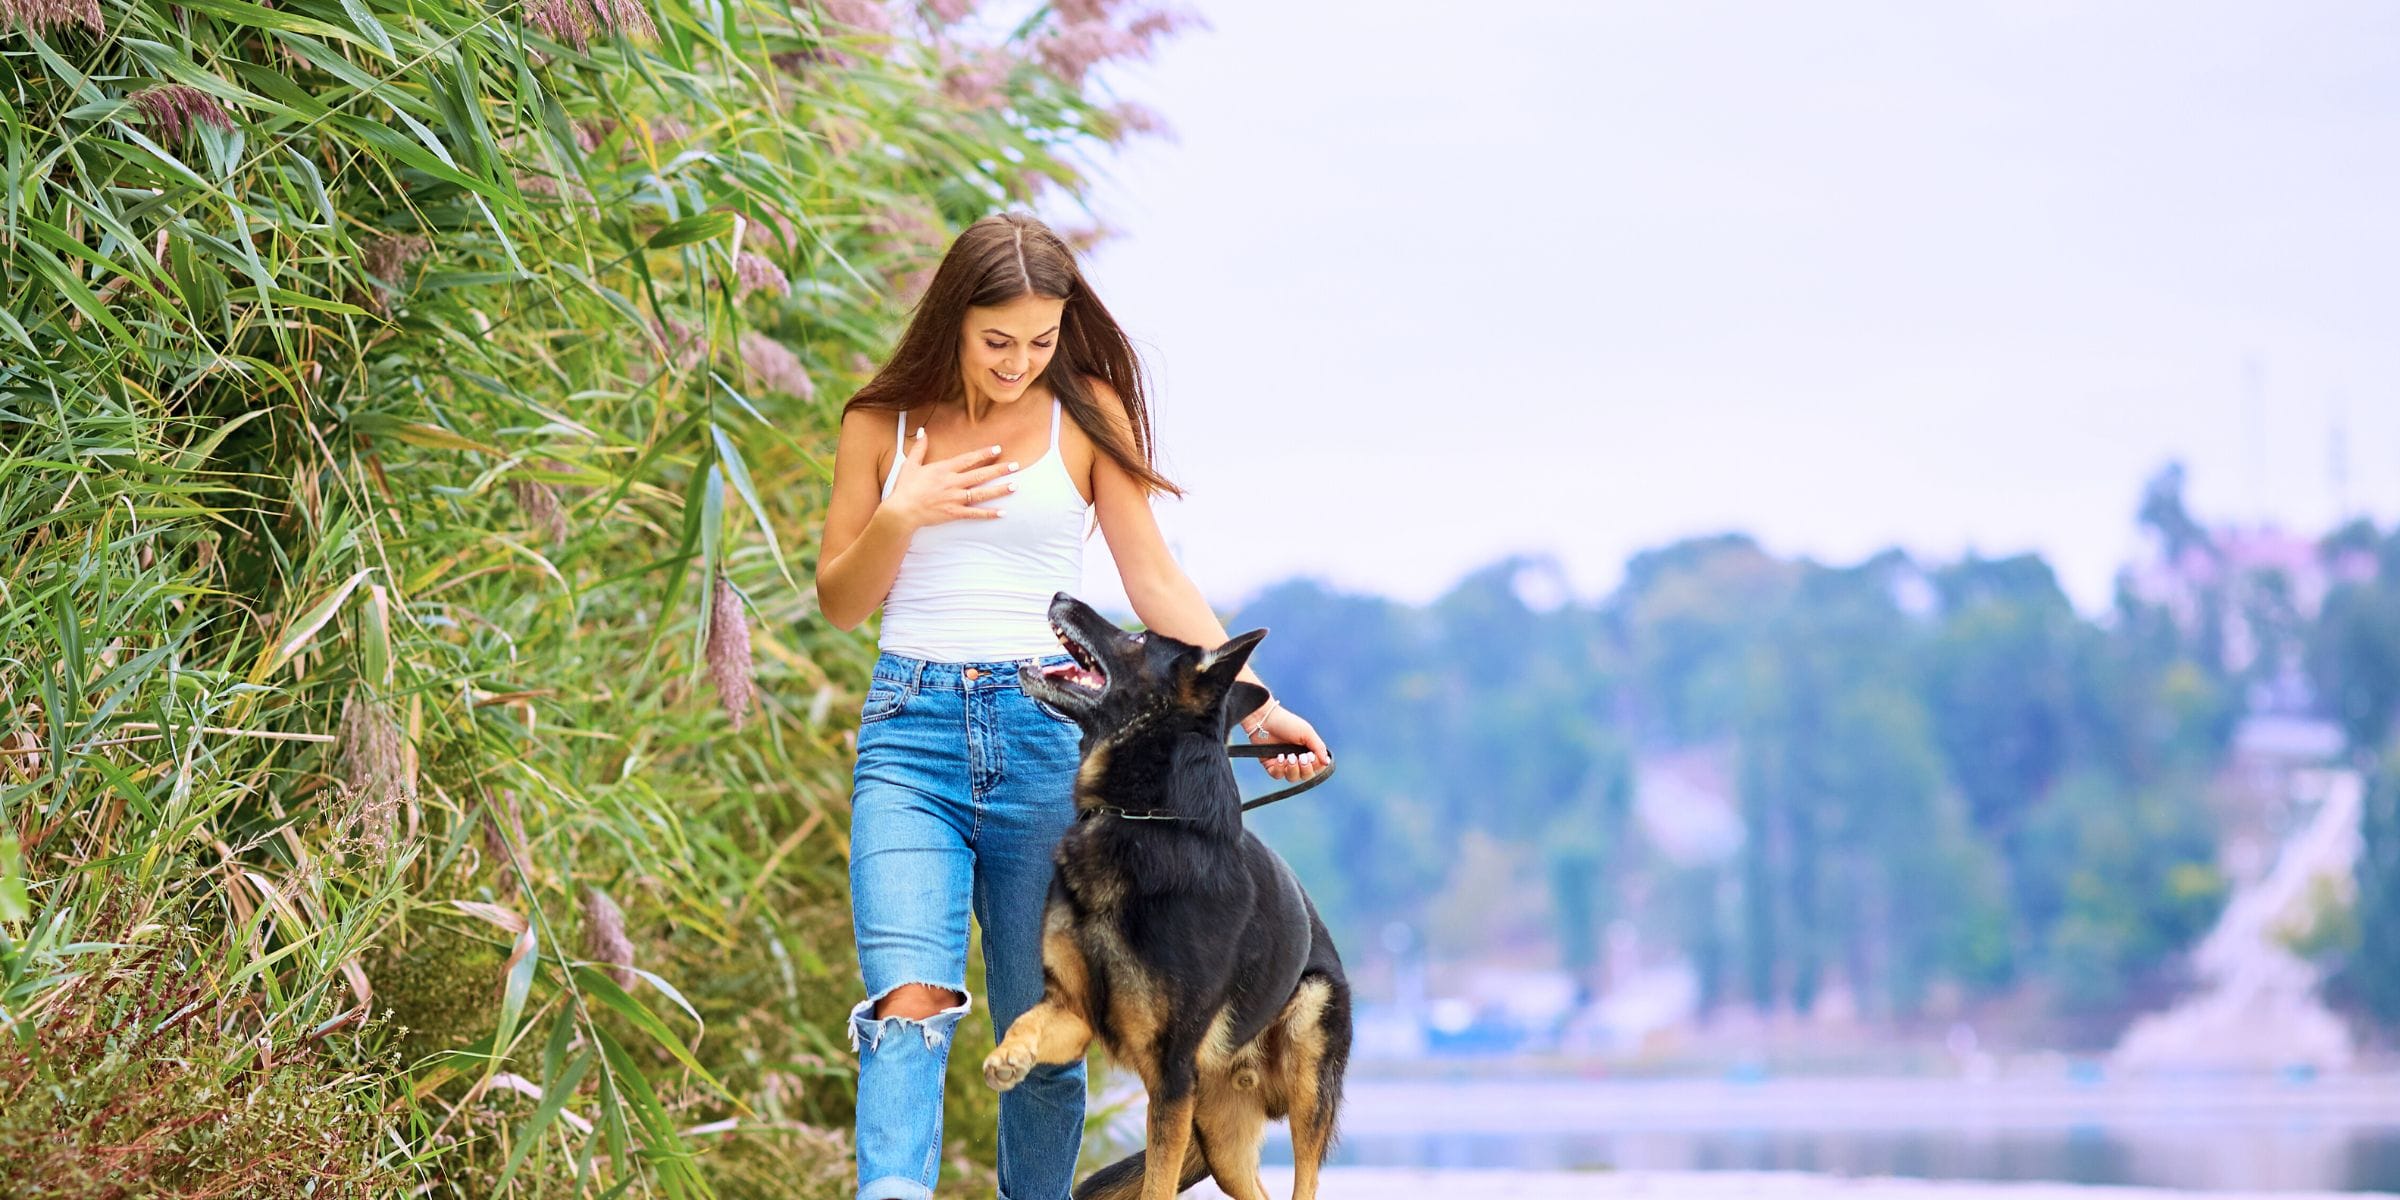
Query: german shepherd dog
<point>1171,933</point>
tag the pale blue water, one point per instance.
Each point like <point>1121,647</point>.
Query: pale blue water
<point>2334,1135</point>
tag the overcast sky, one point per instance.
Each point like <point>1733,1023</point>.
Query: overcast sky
<point>1426,284</point>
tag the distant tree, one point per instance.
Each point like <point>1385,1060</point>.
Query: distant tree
<point>2354,664</point>
<point>1584,842</point>
<point>2163,512</point>
<point>2145,704</point>
<point>2354,658</point>
<point>2373,971</point>
<point>1999,676</point>
<point>2114,880</point>
<point>1685,619</point>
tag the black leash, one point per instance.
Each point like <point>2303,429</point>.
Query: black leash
<point>1253,750</point>
<point>1270,750</point>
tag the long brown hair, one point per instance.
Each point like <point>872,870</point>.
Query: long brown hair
<point>997,260</point>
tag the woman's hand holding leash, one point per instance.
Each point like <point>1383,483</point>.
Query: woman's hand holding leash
<point>932,493</point>
<point>1279,724</point>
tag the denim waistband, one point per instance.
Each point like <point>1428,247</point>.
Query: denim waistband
<point>922,674</point>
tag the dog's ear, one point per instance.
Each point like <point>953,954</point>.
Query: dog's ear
<point>1223,665</point>
<point>1243,700</point>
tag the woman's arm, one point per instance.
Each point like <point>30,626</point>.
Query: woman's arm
<point>866,533</point>
<point>1166,600</point>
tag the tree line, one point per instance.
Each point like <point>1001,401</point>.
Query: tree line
<point>1947,783</point>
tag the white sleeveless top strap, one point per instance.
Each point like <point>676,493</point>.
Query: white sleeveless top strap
<point>899,452</point>
<point>973,590</point>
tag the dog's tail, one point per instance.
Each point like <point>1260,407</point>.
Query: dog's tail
<point>1122,1179</point>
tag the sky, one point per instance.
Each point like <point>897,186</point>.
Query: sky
<point>1425,285</point>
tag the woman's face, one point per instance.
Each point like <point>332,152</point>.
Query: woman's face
<point>1004,348</point>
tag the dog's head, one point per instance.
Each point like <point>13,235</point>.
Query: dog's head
<point>1123,683</point>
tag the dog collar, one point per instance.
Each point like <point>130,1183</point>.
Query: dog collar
<point>1147,814</point>
<point>1256,750</point>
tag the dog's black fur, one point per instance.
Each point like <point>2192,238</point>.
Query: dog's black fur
<point>1174,935</point>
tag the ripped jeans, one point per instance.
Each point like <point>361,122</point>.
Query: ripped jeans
<point>963,786</point>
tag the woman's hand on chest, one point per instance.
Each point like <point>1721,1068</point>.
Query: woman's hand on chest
<point>948,489</point>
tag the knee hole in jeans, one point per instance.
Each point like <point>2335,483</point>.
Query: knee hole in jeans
<point>916,1001</point>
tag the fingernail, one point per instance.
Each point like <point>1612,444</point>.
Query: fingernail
<point>1012,487</point>
<point>995,449</point>
<point>1012,466</point>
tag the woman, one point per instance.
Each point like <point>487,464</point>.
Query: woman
<point>967,470</point>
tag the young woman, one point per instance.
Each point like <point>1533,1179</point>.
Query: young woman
<point>1012,411</point>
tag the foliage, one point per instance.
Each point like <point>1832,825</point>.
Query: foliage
<point>412,422</point>
<point>130,1082</point>
<point>2372,969</point>
<point>1941,772</point>
<point>2353,662</point>
<point>2354,652</point>
<point>2125,878</point>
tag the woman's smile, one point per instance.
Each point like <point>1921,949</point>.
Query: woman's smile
<point>1009,344</point>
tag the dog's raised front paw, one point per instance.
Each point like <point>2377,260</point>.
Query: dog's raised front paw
<point>1005,1067</point>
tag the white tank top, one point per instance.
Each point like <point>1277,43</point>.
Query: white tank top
<point>974,590</point>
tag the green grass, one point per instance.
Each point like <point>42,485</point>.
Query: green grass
<point>371,462</point>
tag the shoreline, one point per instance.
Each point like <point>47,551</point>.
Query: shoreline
<point>1901,1139</point>
<point>1389,1107</point>
<point>1402,1183</point>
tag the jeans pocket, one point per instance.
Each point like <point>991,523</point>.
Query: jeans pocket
<point>1050,712</point>
<point>885,698</point>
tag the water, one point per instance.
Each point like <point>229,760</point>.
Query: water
<point>2336,1134</point>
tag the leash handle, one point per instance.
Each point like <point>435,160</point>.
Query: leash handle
<point>1270,750</point>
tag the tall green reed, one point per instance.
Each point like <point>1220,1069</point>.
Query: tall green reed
<point>412,421</point>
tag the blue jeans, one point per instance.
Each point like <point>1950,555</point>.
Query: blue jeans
<point>964,784</point>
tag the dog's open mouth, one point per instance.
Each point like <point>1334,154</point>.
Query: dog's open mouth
<point>1084,674</point>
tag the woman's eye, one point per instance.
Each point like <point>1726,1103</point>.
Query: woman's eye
<point>1043,345</point>
<point>996,345</point>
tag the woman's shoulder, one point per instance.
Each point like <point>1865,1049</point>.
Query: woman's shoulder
<point>885,419</point>
<point>872,427</point>
<point>870,432</point>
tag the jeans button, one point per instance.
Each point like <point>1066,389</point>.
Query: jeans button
<point>972,674</point>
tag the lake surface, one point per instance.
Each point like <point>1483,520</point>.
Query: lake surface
<point>2333,1134</point>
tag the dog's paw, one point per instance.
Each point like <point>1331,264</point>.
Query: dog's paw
<point>1005,1067</point>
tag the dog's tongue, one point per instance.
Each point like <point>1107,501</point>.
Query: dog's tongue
<point>1072,674</point>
